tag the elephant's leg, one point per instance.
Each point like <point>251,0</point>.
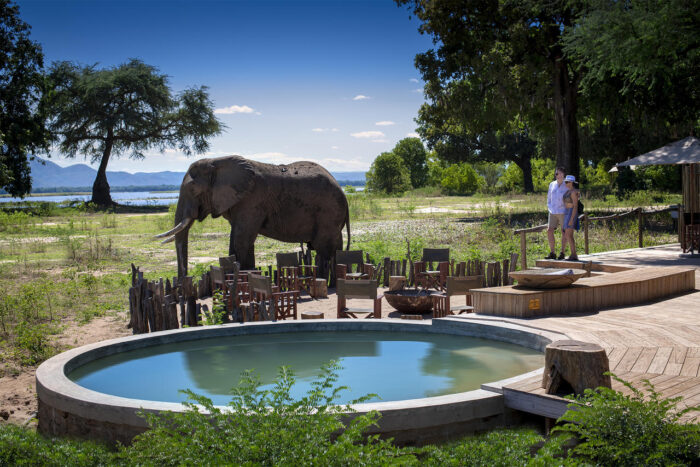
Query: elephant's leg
<point>243,239</point>
<point>232,243</point>
<point>326,247</point>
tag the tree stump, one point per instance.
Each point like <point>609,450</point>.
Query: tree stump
<point>397,282</point>
<point>573,366</point>
<point>320,288</point>
<point>311,315</point>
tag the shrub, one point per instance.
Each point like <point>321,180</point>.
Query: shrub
<point>461,179</point>
<point>512,178</point>
<point>20,446</point>
<point>265,427</point>
<point>618,429</point>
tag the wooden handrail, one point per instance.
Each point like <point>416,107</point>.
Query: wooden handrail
<point>584,217</point>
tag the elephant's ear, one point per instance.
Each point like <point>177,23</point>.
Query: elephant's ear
<point>234,179</point>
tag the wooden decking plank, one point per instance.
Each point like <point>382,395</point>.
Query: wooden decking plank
<point>680,388</point>
<point>628,361</point>
<point>644,361</point>
<point>658,364</point>
<point>690,366</point>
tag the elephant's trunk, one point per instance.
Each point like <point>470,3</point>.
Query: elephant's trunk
<point>181,240</point>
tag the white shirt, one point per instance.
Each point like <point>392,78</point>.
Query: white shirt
<point>555,197</point>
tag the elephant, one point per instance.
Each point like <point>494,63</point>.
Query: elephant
<point>298,203</point>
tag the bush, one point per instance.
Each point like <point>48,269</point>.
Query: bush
<point>263,427</point>
<point>20,446</point>
<point>461,179</point>
<point>512,178</point>
<point>618,429</point>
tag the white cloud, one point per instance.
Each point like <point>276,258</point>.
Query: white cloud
<point>380,141</point>
<point>324,130</point>
<point>360,97</point>
<point>328,162</point>
<point>417,90</point>
<point>413,80</point>
<point>235,109</point>
<point>385,123</point>
<point>412,135</point>
<point>335,148</point>
<point>367,134</point>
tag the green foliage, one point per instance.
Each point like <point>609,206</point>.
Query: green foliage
<point>388,174</point>
<point>89,115</point>
<point>21,123</point>
<point>461,179</point>
<point>542,174</point>
<point>512,178</point>
<point>349,190</point>
<point>630,430</point>
<point>216,314</point>
<point>263,427</point>
<point>21,446</point>
<point>414,156</point>
<point>491,173</point>
<point>497,448</point>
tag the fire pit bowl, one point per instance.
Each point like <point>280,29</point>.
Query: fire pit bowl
<point>411,301</point>
<point>547,278</point>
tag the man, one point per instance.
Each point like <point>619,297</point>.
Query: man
<point>555,205</point>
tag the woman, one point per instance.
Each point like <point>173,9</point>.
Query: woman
<point>571,223</point>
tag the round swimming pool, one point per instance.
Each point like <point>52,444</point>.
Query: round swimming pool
<point>429,374</point>
<point>394,366</point>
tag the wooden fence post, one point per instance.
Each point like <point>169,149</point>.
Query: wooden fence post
<point>585,232</point>
<point>640,219</point>
<point>523,251</point>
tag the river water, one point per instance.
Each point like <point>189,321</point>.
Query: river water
<point>132,198</point>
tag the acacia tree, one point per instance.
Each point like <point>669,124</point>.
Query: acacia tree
<point>126,109</point>
<point>499,65</point>
<point>21,86</point>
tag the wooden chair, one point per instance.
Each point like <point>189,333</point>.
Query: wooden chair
<point>216,274</point>
<point>456,286</point>
<point>294,276</point>
<point>267,304</point>
<point>227,263</point>
<point>424,274</point>
<point>358,289</point>
<point>344,262</point>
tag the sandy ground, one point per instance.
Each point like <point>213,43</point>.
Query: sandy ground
<point>18,402</point>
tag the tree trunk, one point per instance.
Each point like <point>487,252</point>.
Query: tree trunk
<point>525,165</point>
<point>565,89</point>
<point>100,189</point>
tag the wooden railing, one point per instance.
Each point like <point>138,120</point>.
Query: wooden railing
<point>585,220</point>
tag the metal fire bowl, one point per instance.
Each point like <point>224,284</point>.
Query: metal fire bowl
<point>411,301</point>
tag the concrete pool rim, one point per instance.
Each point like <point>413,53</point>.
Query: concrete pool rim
<point>66,408</point>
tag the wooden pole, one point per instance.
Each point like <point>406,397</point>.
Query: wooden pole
<point>640,219</point>
<point>523,251</point>
<point>585,232</point>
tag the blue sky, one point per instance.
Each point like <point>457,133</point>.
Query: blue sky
<point>327,80</point>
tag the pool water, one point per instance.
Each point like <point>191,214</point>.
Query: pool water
<point>395,366</point>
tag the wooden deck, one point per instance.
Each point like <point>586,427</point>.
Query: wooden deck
<point>658,341</point>
<point>589,294</point>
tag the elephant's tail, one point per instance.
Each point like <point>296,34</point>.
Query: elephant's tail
<point>347,224</point>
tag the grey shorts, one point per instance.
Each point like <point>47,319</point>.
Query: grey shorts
<point>556,220</point>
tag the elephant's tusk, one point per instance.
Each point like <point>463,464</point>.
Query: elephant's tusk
<point>168,240</point>
<point>175,230</point>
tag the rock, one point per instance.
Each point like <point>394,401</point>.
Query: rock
<point>4,414</point>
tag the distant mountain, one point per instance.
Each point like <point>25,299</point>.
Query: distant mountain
<point>50,175</point>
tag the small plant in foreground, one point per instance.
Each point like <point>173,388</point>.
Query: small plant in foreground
<point>216,315</point>
<point>629,430</point>
<point>266,427</point>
